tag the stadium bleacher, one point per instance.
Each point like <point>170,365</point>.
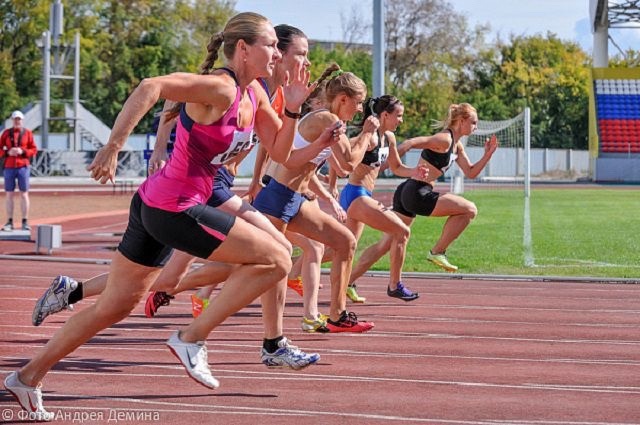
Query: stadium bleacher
<point>618,114</point>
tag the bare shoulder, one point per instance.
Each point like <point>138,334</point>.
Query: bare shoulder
<point>322,117</point>
<point>315,123</point>
<point>223,85</point>
<point>441,141</point>
<point>218,92</point>
<point>390,135</point>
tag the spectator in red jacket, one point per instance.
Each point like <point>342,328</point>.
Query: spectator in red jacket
<point>17,146</point>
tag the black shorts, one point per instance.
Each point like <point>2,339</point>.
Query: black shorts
<point>414,197</point>
<point>198,231</point>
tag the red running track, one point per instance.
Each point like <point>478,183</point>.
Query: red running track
<point>466,352</point>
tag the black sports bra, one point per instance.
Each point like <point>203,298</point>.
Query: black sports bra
<point>442,161</point>
<point>378,155</point>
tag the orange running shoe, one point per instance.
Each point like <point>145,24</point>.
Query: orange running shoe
<point>295,284</point>
<point>198,305</point>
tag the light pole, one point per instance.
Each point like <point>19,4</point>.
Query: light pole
<point>378,48</point>
<point>50,43</point>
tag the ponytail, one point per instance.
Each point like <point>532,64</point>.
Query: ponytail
<point>247,26</point>
<point>378,105</point>
<point>205,69</point>
<point>318,92</point>
<point>455,113</point>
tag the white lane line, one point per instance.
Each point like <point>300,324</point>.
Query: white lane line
<point>306,376</point>
<point>377,334</point>
<point>228,348</point>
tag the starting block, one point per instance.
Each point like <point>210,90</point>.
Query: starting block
<point>48,236</point>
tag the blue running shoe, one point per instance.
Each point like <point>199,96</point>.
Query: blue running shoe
<point>288,355</point>
<point>403,293</point>
<point>54,299</point>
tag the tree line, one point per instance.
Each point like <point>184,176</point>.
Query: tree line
<point>433,58</point>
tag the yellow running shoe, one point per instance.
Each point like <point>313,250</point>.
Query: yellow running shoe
<point>352,293</point>
<point>441,260</point>
<point>317,325</point>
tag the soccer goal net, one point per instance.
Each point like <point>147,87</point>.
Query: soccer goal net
<point>510,163</point>
<point>509,168</point>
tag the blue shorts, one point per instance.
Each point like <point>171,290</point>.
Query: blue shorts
<point>278,201</point>
<point>10,176</point>
<point>350,192</point>
<point>222,184</point>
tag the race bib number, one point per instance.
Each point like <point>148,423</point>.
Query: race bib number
<point>242,141</point>
<point>383,154</point>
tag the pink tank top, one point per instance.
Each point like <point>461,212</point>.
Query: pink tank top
<point>199,151</point>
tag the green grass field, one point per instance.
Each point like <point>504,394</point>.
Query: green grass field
<point>593,232</point>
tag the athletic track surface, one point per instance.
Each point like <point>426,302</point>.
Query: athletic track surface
<point>469,351</point>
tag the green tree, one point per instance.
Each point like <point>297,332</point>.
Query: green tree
<point>8,93</point>
<point>122,42</point>
<point>627,59</point>
<point>427,36</point>
<point>126,41</point>
<point>547,74</point>
<point>427,45</point>
<point>20,72</point>
<point>352,60</point>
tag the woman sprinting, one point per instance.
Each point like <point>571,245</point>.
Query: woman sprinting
<point>414,197</point>
<point>357,200</point>
<point>283,201</point>
<point>221,110</point>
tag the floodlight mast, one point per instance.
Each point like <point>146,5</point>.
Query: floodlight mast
<point>378,48</point>
<point>56,27</point>
<point>51,43</point>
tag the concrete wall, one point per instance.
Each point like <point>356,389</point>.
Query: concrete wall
<point>617,169</point>
<point>506,162</point>
<point>509,162</point>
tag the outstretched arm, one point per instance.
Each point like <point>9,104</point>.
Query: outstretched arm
<point>329,137</point>
<point>316,186</point>
<point>473,170</point>
<point>349,153</point>
<point>258,171</point>
<point>275,135</point>
<point>214,90</point>
<point>419,172</point>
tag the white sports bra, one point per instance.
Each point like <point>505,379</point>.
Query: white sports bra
<point>300,142</point>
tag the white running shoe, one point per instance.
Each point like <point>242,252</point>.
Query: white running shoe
<point>54,299</point>
<point>288,355</point>
<point>29,398</point>
<point>193,357</point>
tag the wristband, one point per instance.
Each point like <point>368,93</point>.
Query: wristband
<point>292,115</point>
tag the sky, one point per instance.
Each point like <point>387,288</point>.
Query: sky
<point>568,19</point>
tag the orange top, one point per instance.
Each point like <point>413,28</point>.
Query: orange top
<point>278,101</point>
